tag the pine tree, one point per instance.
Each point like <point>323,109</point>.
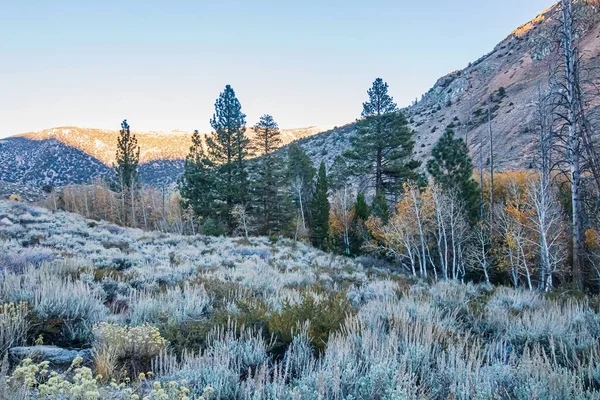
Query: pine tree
<point>382,148</point>
<point>380,102</point>
<point>452,169</point>
<point>361,208</point>
<point>197,185</point>
<point>128,158</point>
<point>228,149</point>
<point>301,173</point>
<point>319,207</point>
<point>271,198</point>
<point>380,207</point>
<point>339,174</point>
<point>359,233</point>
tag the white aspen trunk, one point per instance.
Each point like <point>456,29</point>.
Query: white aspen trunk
<point>422,256</point>
<point>570,55</point>
<point>132,192</point>
<point>491,139</point>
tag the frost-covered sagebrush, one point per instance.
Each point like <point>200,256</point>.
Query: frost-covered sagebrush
<point>263,320</point>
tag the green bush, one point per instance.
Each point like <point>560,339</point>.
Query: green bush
<point>324,316</point>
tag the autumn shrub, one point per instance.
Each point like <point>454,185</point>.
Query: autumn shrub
<point>125,348</point>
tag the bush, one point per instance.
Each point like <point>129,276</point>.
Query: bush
<point>119,348</point>
<point>13,326</point>
<point>323,316</point>
<point>34,380</point>
<point>29,375</point>
<point>175,305</point>
<point>64,311</point>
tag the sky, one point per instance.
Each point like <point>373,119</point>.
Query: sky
<point>162,64</point>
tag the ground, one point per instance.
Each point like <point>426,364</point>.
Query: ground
<point>268,319</point>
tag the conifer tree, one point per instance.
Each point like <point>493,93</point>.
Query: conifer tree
<point>128,158</point>
<point>359,233</point>
<point>271,198</point>
<point>197,185</point>
<point>380,207</point>
<point>301,173</point>
<point>320,207</point>
<point>361,208</point>
<point>452,169</point>
<point>339,173</point>
<point>382,148</point>
<point>228,149</point>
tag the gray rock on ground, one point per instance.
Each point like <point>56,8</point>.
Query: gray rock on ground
<point>59,358</point>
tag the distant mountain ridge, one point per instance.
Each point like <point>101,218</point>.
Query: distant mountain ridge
<point>512,72</point>
<point>72,155</point>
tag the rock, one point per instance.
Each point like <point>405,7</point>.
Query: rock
<point>59,358</point>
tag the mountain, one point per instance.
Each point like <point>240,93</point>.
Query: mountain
<point>513,72</point>
<point>71,155</point>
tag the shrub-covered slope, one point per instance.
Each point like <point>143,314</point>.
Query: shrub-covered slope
<point>265,320</point>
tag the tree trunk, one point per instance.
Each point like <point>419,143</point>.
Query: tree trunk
<point>491,139</point>
<point>570,54</point>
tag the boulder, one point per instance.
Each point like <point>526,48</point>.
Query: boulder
<point>59,358</point>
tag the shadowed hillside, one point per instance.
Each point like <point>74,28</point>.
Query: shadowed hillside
<point>71,155</point>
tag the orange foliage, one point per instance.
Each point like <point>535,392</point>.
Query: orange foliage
<point>592,239</point>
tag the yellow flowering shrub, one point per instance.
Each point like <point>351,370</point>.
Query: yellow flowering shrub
<point>174,391</point>
<point>117,347</point>
<point>79,383</point>
<point>13,325</point>
<point>32,376</point>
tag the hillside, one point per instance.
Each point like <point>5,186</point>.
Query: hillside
<point>67,155</point>
<point>519,65</point>
<point>266,319</point>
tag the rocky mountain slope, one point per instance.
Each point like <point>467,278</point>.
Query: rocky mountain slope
<point>512,73</point>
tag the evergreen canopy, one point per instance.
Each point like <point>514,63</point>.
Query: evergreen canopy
<point>452,168</point>
<point>382,148</point>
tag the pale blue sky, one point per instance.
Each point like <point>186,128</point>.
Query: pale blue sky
<point>161,64</point>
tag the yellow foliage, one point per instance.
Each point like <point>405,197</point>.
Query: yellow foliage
<point>336,221</point>
<point>592,239</point>
<point>505,182</point>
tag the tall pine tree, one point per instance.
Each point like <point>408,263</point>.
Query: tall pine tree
<point>382,148</point>
<point>228,149</point>
<point>271,203</point>
<point>128,158</point>
<point>197,184</point>
<point>319,207</point>
<point>452,168</point>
